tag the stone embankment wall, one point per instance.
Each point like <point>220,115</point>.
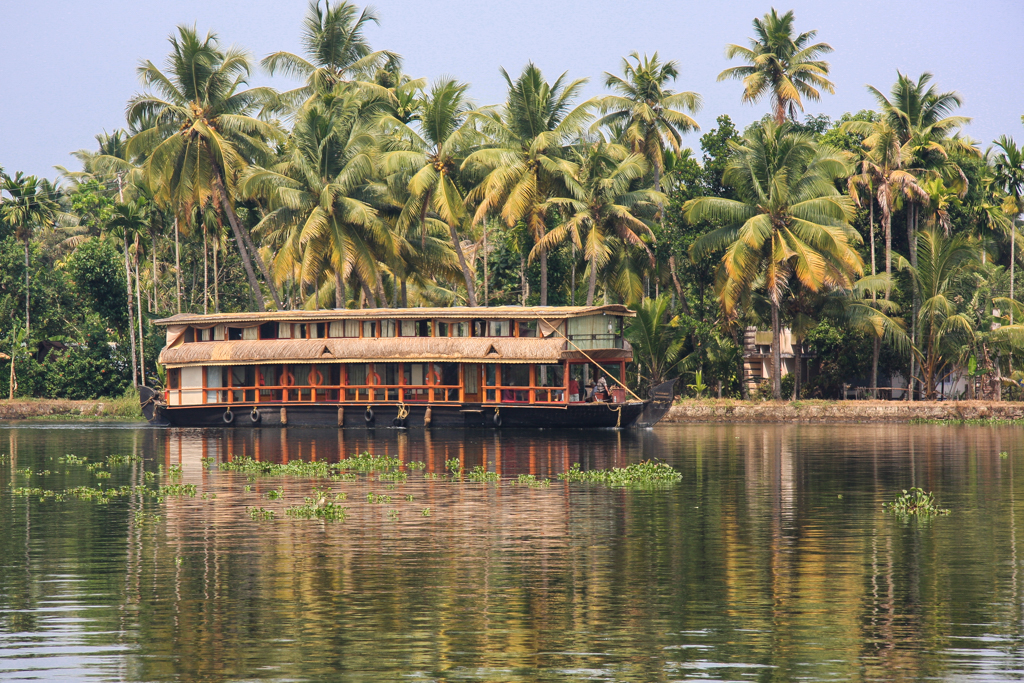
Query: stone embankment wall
<point>842,411</point>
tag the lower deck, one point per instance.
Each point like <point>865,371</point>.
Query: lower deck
<point>468,415</point>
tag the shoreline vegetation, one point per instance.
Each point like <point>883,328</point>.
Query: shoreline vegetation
<point>788,258</point>
<point>126,409</point>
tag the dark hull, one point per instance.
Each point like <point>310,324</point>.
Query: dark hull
<point>582,415</point>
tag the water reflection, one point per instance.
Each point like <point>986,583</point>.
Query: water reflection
<point>773,560</point>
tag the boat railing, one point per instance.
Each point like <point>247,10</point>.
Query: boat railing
<point>361,393</point>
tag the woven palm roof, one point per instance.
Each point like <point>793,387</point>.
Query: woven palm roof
<point>445,313</point>
<point>414,349</point>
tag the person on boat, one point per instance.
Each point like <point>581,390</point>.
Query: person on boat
<point>601,388</point>
<point>574,390</point>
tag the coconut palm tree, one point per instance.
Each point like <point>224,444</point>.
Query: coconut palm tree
<point>320,221</point>
<point>202,134</point>
<point>524,162</point>
<point>1008,167</point>
<point>30,205</point>
<point>789,221</point>
<point>127,224</point>
<point>648,112</point>
<point>337,51</point>
<point>433,158</point>
<point>781,66</point>
<point>602,205</point>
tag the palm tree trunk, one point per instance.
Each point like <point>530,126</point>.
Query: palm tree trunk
<point>206,272</point>
<point>912,247</point>
<point>486,273</point>
<point>405,291</point>
<point>152,247</point>
<point>339,290</point>
<point>572,290</point>
<point>776,353</point>
<point>243,250</point>
<point>874,358</point>
<point>28,320</point>
<point>216,274</point>
<point>543,279</point>
<point>138,311</point>
<point>466,273</point>
<point>1013,259</point>
<point>245,245</point>
<point>592,286</point>
<point>177,260</point>
<point>524,283</point>
<point>877,347</point>
<point>131,316</point>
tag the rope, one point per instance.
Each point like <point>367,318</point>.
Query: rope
<point>403,412</point>
<point>618,418</point>
<point>555,328</point>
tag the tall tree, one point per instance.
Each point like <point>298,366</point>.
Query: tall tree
<point>1008,166</point>
<point>524,161</point>
<point>336,50</point>
<point>780,65</point>
<point>602,205</point>
<point>435,154</point>
<point>203,134</point>
<point>788,221</point>
<point>923,123</point>
<point>27,209</point>
<point>320,221</point>
<point>649,113</point>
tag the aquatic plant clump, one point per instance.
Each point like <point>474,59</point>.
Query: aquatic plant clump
<point>637,475</point>
<point>482,475</point>
<point>916,501</point>
<point>318,508</point>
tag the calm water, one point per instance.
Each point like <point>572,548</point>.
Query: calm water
<point>772,560</point>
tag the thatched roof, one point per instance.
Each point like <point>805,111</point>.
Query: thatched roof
<point>458,313</point>
<point>414,349</point>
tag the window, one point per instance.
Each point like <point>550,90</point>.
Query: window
<point>515,375</point>
<point>499,328</point>
<point>243,376</point>
<point>479,328</point>
<point>300,331</point>
<point>369,329</point>
<point>452,329</point>
<point>189,336</point>
<point>250,333</point>
<point>268,331</point>
<point>235,334</point>
<point>344,328</point>
<point>387,328</point>
<point>527,328</point>
<point>442,329</point>
<point>174,378</point>
<point>205,335</point>
<point>318,330</point>
<point>284,330</point>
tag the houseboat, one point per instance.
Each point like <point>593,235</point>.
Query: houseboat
<point>506,366</point>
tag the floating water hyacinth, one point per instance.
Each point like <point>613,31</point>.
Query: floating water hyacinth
<point>638,475</point>
<point>916,501</point>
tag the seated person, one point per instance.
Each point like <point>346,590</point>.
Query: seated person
<point>601,389</point>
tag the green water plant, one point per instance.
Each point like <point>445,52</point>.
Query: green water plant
<point>530,481</point>
<point>480,474</point>
<point>916,501</point>
<point>177,490</point>
<point>318,508</point>
<point>645,474</point>
<point>274,494</point>
<point>260,514</point>
<point>115,460</point>
<point>453,466</point>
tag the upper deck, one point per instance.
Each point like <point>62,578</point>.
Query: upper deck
<point>501,334</point>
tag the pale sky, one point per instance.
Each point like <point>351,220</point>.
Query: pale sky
<point>68,68</point>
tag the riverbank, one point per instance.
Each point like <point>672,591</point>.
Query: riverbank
<point>725,410</point>
<point>124,409</point>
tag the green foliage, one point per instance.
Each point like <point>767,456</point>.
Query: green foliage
<point>916,502</point>
<point>646,474</point>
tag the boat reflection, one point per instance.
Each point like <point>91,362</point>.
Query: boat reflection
<point>542,454</point>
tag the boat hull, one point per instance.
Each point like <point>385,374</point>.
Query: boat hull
<point>581,415</point>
